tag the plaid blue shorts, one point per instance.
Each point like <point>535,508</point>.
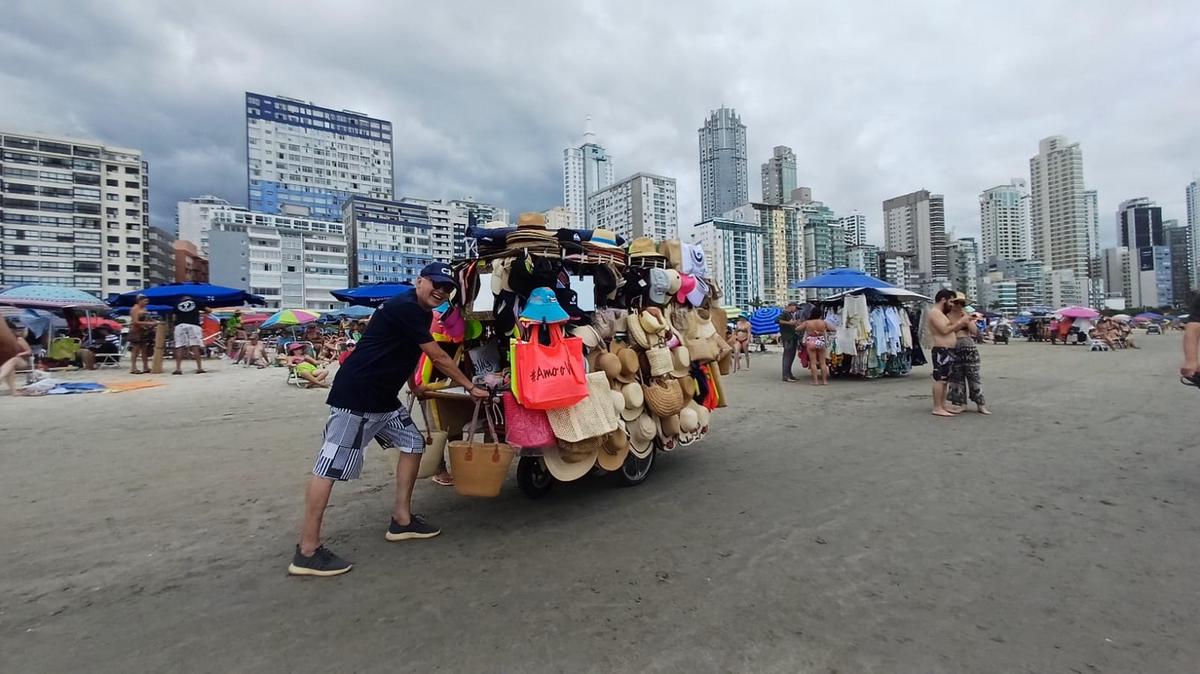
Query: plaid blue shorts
<point>347,433</point>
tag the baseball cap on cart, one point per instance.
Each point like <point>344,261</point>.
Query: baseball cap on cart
<point>440,273</point>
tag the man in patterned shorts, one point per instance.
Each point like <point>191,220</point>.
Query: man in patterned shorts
<point>364,405</point>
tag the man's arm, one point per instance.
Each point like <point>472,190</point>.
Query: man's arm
<point>445,363</point>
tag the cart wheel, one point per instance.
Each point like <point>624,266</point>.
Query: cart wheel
<point>634,471</point>
<point>533,478</point>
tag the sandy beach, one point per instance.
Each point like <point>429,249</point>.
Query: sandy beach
<point>816,529</point>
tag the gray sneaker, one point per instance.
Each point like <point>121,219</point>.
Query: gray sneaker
<point>417,528</point>
<point>322,563</point>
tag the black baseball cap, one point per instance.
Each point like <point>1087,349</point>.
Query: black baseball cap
<point>439,272</point>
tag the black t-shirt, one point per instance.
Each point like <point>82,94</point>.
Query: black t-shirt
<point>187,311</point>
<point>370,380</point>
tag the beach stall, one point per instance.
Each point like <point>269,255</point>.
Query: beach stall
<point>603,355</point>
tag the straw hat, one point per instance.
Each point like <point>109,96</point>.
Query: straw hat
<point>633,327</point>
<point>629,363</point>
<point>703,416</point>
<point>689,421</point>
<point>530,220</point>
<point>653,323</point>
<point>643,246</point>
<point>664,397</point>
<point>633,401</point>
<point>641,435</point>
<point>668,431</point>
<point>659,359</point>
<point>572,460</point>
<point>673,251</point>
<point>590,336</point>
<point>681,363</point>
<point>618,400</point>
<point>603,238</point>
<point>608,363</point>
<point>613,450</point>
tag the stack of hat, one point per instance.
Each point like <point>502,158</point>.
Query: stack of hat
<point>532,235</point>
<point>603,248</point>
<point>643,253</point>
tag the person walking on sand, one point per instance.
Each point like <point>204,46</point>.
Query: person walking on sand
<point>965,383</point>
<point>943,331</point>
<point>1190,372</point>
<point>141,335</point>
<point>15,341</point>
<point>741,343</point>
<point>364,405</point>
<point>816,343</point>
<point>188,337</point>
<point>788,321</point>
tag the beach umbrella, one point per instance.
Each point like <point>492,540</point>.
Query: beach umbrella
<point>1148,316</point>
<point>842,277</point>
<point>291,317</point>
<point>51,297</point>
<point>372,295</point>
<point>763,321</point>
<point>1079,312</point>
<point>206,295</point>
<point>898,293</point>
<point>1122,317</point>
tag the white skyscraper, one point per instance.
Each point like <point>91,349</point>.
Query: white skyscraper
<point>75,213</point>
<point>586,169</point>
<point>194,219</point>
<point>1002,223</point>
<point>916,223</point>
<point>305,160</point>
<point>1059,224</point>
<point>1192,194</point>
<point>855,226</point>
<point>734,251</point>
<point>640,205</point>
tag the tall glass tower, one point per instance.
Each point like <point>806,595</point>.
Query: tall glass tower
<point>723,171</point>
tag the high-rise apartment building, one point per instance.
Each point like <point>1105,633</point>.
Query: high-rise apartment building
<point>72,213</point>
<point>466,214</point>
<point>734,251</point>
<point>864,258</point>
<point>1192,202</point>
<point>559,218</point>
<point>1114,269</point>
<point>641,205</point>
<point>916,223</point>
<point>587,169</point>
<point>389,241</point>
<point>855,226</point>
<point>1178,238</point>
<point>304,160</point>
<point>724,183</point>
<point>291,262</point>
<point>963,257</point>
<point>160,256</point>
<point>783,248</point>
<point>1003,226</point>
<point>1140,229</point>
<point>190,265</point>
<point>779,175</point>
<point>1059,227</point>
<point>898,268</point>
<point>824,240</point>
<point>194,219</point>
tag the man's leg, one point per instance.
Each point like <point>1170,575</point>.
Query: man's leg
<point>316,498</point>
<point>789,356</point>
<point>406,476</point>
<point>133,357</point>
<point>198,355</point>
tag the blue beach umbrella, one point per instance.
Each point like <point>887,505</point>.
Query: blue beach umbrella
<point>842,277</point>
<point>206,295</point>
<point>50,297</point>
<point>763,321</point>
<point>372,295</point>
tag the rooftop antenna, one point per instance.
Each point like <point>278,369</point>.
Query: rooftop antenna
<point>589,136</point>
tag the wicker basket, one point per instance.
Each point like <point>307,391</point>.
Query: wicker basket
<point>479,468</point>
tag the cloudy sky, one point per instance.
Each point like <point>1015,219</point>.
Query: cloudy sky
<point>877,98</point>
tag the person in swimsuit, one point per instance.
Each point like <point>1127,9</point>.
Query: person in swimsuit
<point>965,382</point>
<point>141,336</point>
<point>816,343</point>
<point>942,330</point>
<point>1189,372</point>
<point>19,359</point>
<point>307,367</point>
<point>741,343</point>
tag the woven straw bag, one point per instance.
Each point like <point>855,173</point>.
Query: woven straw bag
<point>659,358</point>
<point>664,397</point>
<point>591,417</point>
<point>479,467</point>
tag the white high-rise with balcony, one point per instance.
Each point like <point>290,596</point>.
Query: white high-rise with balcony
<point>1002,221</point>
<point>1059,227</point>
<point>1192,197</point>
<point>640,205</point>
<point>855,226</point>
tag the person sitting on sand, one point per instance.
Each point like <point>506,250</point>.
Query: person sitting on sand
<point>347,349</point>
<point>307,367</point>
<point>254,352</point>
<point>20,361</point>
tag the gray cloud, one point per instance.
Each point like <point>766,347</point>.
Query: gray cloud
<point>876,98</point>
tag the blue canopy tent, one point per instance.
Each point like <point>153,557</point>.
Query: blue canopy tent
<point>372,295</point>
<point>842,277</point>
<point>206,295</point>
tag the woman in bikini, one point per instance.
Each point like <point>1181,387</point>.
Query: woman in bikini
<point>816,343</point>
<point>741,343</point>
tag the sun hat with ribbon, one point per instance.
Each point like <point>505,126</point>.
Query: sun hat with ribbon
<point>642,432</point>
<point>603,238</point>
<point>643,246</point>
<point>543,307</point>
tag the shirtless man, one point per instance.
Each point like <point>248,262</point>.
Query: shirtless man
<point>944,338</point>
<point>1189,374</point>
<point>141,335</point>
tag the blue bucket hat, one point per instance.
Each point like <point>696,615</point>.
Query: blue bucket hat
<point>543,307</point>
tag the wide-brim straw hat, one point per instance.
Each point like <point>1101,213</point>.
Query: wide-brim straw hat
<point>681,362</point>
<point>664,427</point>
<point>703,416</point>
<point>590,336</point>
<point>613,450</point>
<point>572,460</point>
<point>633,328</point>
<point>643,246</point>
<point>642,432</point>
<point>609,364</point>
<point>633,401</point>
<point>629,363</point>
<point>617,400</point>
<point>689,421</point>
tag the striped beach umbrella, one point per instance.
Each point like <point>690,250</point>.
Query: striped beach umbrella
<point>291,317</point>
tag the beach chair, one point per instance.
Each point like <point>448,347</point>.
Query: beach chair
<point>292,377</point>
